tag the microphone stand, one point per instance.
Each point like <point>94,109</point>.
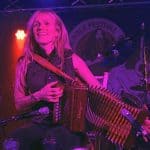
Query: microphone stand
<point>3,124</point>
<point>146,76</point>
<point>6,121</point>
<point>41,111</point>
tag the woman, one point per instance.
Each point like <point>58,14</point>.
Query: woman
<point>47,37</point>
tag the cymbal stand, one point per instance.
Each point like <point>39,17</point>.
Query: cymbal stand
<point>146,67</point>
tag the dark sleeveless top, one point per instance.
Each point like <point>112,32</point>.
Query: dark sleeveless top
<point>37,76</point>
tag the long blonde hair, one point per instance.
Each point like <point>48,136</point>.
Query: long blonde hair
<point>61,44</point>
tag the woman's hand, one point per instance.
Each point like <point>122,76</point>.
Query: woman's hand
<point>51,92</point>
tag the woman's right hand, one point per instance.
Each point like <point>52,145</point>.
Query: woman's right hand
<point>51,92</point>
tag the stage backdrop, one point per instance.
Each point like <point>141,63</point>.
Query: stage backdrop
<point>104,36</point>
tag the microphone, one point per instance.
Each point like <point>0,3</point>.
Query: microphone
<point>41,111</point>
<point>138,128</point>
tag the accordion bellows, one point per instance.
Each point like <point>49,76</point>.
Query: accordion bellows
<point>102,111</point>
<point>104,114</point>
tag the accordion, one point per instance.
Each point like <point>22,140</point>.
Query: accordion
<point>102,111</point>
<point>73,113</point>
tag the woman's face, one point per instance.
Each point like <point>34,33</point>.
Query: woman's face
<point>44,29</point>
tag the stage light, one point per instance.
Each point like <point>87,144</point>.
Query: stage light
<point>20,34</point>
<point>19,42</point>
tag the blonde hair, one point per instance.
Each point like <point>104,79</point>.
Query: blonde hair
<point>61,44</point>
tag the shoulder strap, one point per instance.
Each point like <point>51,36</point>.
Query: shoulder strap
<point>46,64</point>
